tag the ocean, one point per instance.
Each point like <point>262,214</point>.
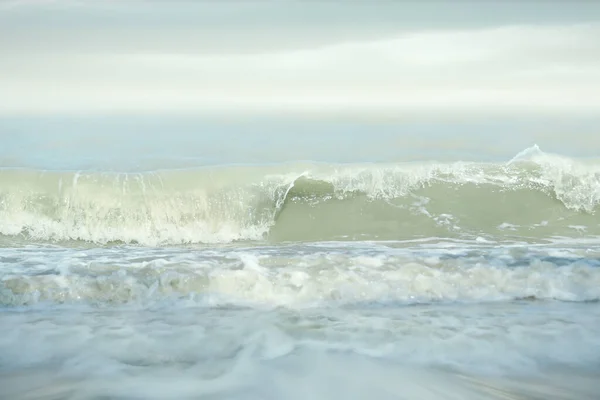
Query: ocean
<point>396,201</point>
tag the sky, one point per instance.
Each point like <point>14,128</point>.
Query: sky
<point>386,59</point>
<point>137,85</point>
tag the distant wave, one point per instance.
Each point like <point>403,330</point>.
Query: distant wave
<point>534,194</point>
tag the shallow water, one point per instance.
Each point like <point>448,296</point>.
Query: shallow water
<point>432,319</point>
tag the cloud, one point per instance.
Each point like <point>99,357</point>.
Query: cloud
<point>519,69</point>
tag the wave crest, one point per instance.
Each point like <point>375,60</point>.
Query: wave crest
<point>280,202</point>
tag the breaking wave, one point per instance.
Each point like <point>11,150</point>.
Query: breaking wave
<point>533,192</point>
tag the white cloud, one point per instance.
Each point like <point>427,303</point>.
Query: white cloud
<point>514,69</point>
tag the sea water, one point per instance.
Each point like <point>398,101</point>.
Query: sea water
<point>366,212</point>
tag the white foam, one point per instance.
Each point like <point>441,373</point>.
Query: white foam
<point>509,226</point>
<point>304,277</point>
